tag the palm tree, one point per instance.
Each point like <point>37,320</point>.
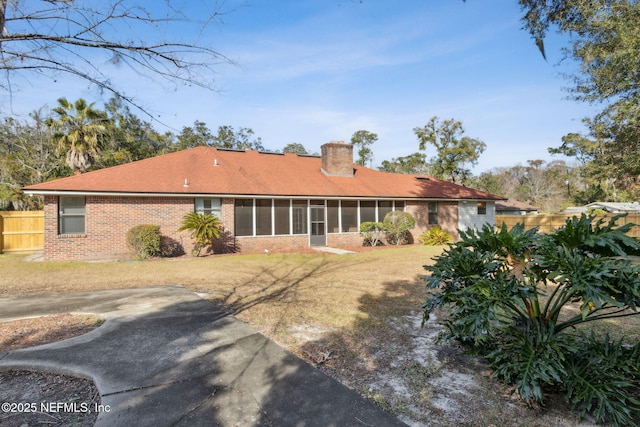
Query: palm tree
<point>204,228</point>
<point>79,130</point>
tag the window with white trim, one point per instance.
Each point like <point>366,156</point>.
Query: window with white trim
<point>433,213</point>
<point>333,216</point>
<point>482,208</point>
<point>209,206</point>
<point>384,207</point>
<point>367,211</point>
<point>71,214</point>
<point>349,216</point>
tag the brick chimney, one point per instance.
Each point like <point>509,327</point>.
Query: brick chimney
<point>337,158</point>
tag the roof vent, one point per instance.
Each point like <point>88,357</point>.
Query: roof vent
<point>215,162</point>
<point>186,183</point>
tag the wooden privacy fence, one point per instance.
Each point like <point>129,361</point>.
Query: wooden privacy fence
<point>549,223</point>
<point>21,231</point>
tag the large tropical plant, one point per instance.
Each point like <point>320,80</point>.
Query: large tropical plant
<point>204,228</point>
<point>79,131</point>
<point>518,299</point>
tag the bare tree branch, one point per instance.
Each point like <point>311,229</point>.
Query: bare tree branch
<point>58,37</point>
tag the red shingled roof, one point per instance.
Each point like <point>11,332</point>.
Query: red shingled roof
<point>251,173</point>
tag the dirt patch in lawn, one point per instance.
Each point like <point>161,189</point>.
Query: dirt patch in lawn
<point>46,398</point>
<point>402,369</point>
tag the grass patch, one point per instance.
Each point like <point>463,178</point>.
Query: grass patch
<point>268,291</point>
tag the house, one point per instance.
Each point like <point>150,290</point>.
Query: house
<point>266,201</point>
<point>612,207</point>
<point>514,207</point>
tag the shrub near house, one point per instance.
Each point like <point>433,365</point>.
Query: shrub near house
<point>144,240</point>
<point>397,225</point>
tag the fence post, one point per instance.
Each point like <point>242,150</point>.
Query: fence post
<point>1,233</point>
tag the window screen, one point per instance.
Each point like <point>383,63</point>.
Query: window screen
<point>243,213</point>
<point>384,207</point>
<point>299,216</point>
<point>333,222</point>
<point>367,211</point>
<point>282,209</point>
<point>72,214</point>
<point>349,216</point>
<point>263,217</point>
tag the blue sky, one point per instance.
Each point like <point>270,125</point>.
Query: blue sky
<point>312,71</point>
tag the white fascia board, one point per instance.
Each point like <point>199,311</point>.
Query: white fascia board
<point>233,196</point>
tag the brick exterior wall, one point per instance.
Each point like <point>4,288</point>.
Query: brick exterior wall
<point>344,239</point>
<point>447,217</point>
<point>108,218</point>
<point>337,158</point>
<point>258,244</point>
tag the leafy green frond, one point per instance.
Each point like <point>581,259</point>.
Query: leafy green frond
<point>204,228</point>
<point>604,380</point>
<point>590,234</point>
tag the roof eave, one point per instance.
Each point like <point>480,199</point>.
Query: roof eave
<point>35,192</point>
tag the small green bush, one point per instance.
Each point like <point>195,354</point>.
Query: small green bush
<point>144,240</point>
<point>435,236</point>
<point>596,211</point>
<point>397,225</point>
<point>372,233</point>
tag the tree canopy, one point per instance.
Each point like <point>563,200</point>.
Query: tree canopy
<point>295,148</point>
<point>79,131</point>
<point>454,152</point>
<point>363,140</point>
<point>415,163</point>
<point>605,43</point>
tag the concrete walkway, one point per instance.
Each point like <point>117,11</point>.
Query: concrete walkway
<point>330,250</point>
<point>166,357</point>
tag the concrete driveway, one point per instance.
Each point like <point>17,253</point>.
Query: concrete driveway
<point>166,357</point>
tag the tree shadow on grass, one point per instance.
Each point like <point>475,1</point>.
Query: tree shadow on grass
<point>281,282</point>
